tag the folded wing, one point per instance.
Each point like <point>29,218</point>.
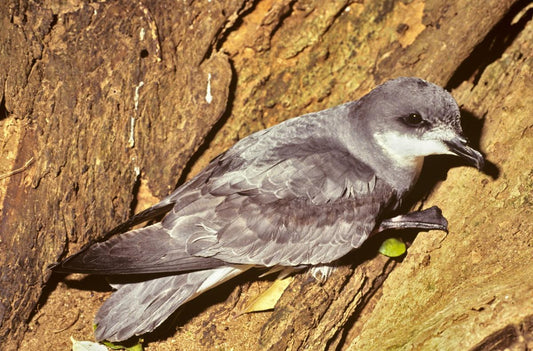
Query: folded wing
<point>301,204</point>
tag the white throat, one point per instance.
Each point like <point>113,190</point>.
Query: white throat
<point>407,151</point>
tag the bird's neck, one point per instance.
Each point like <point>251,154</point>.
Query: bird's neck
<point>400,173</point>
<point>402,176</point>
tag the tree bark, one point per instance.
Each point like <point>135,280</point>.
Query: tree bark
<point>109,102</point>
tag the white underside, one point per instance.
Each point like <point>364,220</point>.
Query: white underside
<point>221,275</point>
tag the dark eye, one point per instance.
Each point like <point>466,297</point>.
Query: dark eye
<point>413,119</point>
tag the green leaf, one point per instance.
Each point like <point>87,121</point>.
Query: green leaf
<point>136,347</point>
<point>392,247</point>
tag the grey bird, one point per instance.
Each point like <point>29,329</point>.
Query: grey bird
<point>300,194</point>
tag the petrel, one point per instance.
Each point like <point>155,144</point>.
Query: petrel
<point>300,194</point>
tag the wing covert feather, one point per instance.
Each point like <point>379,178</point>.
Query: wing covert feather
<point>309,209</point>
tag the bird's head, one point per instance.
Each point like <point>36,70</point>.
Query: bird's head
<point>410,118</point>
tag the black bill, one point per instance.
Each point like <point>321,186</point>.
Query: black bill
<point>459,146</point>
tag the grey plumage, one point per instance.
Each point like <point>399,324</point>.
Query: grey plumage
<point>302,193</point>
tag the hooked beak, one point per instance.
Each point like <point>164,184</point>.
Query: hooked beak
<point>459,146</point>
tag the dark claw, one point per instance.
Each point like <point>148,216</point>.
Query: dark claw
<point>429,219</point>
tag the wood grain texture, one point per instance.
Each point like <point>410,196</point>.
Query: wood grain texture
<point>71,78</point>
<point>77,76</point>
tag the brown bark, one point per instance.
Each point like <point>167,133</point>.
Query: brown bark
<point>472,289</point>
<point>87,71</point>
<point>71,77</point>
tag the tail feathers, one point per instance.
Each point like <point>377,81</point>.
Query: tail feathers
<point>148,250</point>
<point>138,308</point>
